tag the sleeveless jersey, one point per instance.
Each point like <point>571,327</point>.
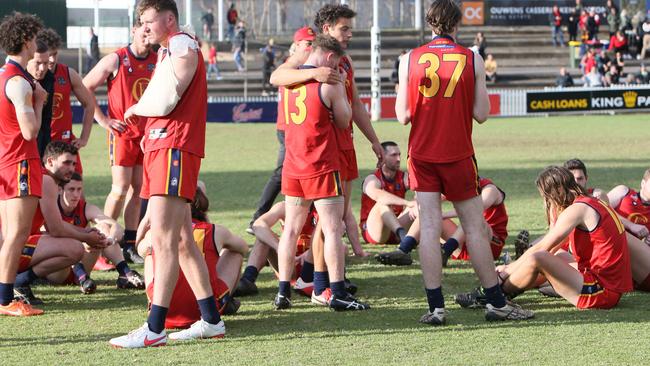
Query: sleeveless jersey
<point>603,251</point>
<point>61,125</point>
<point>441,101</point>
<point>78,215</point>
<point>395,186</point>
<point>634,209</point>
<point>13,147</point>
<point>344,135</point>
<point>184,127</point>
<point>311,148</point>
<point>127,86</point>
<point>496,216</point>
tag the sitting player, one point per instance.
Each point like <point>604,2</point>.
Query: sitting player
<point>634,207</point>
<point>223,252</point>
<point>387,217</point>
<point>76,211</point>
<point>496,216</point>
<point>266,247</point>
<point>598,243</point>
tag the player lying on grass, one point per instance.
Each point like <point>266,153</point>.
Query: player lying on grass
<point>223,253</point>
<point>598,242</point>
<point>634,207</point>
<point>265,251</point>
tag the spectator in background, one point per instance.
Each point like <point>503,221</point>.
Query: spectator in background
<point>480,43</point>
<point>239,46</point>
<point>555,18</point>
<point>644,35</point>
<point>592,25</point>
<point>92,51</point>
<point>593,78</point>
<point>588,61</point>
<point>643,77</point>
<point>564,80</point>
<point>613,21</point>
<point>626,22</point>
<point>208,22</point>
<point>611,5</point>
<point>268,65</point>
<point>579,8</point>
<point>490,68</point>
<point>618,43</point>
<point>612,77</point>
<point>212,62</point>
<point>582,25</point>
<point>572,25</point>
<point>232,16</point>
<point>603,62</point>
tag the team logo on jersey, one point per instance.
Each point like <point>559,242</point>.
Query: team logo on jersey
<point>157,133</point>
<point>57,110</point>
<point>638,218</point>
<point>61,80</point>
<point>138,88</point>
<point>174,182</point>
<point>66,135</point>
<point>150,67</point>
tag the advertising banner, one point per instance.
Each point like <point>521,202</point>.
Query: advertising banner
<point>588,100</point>
<point>523,12</point>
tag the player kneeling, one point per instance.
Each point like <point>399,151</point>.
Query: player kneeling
<point>223,253</point>
<point>598,243</point>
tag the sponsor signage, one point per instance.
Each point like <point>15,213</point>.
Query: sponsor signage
<point>524,12</point>
<point>587,100</point>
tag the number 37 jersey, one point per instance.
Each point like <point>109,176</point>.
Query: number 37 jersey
<point>441,101</point>
<point>310,141</point>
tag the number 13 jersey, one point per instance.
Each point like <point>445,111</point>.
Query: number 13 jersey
<point>441,101</point>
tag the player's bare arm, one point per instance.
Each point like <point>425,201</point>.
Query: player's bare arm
<point>58,228</point>
<point>105,68</point>
<point>87,100</point>
<point>28,114</point>
<point>262,226</point>
<point>401,102</point>
<point>362,119</point>
<point>229,240</point>
<point>341,109</point>
<point>94,214</point>
<point>481,99</point>
<point>615,196</point>
<point>372,188</point>
<point>288,74</point>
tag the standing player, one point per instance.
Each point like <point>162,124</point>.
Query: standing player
<point>302,45</point>
<point>634,207</point>
<point>441,87</point>
<point>311,172</point>
<point>127,72</point>
<point>68,81</point>
<point>21,104</point>
<point>175,103</point>
<point>38,68</point>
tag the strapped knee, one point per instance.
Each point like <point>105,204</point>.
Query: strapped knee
<point>118,193</point>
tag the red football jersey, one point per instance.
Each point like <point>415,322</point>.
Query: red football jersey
<point>309,133</point>
<point>496,216</point>
<point>78,215</point>
<point>441,101</point>
<point>634,209</point>
<point>395,186</point>
<point>61,125</point>
<point>184,127</point>
<point>183,309</point>
<point>603,251</point>
<point>13,147</point>
<point>127,86</point>
<point>344,135</point>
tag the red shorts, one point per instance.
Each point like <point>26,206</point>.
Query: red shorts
<point>458,180</point>
<point>323,186</point>
<point>496,246</point>
<point>21,179</point>
<point>392,238</point>
<point>124,152</point>
<point>348,161</point>
<point>26,255</point>
<point>170,172</point>
<point>594,296</point>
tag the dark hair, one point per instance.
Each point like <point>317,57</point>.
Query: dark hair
<point>330,14</point>
<point>56,148</point>
<point>386,144</point>
<point>16,29</point>
<point>559,189</point>
<point>443,16</point>
<point>75,176</point>
<point>327,43</point>
<point>576,164</point>
<point>41,46</point>
<point>51,37</point>
<point>159,6</point>
<point>200,206</point>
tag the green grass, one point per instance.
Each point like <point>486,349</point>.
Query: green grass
<point>76,328</point>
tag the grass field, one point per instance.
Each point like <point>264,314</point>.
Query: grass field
<point>76,328</point>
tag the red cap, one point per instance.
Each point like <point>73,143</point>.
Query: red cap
<point>304,33</point>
